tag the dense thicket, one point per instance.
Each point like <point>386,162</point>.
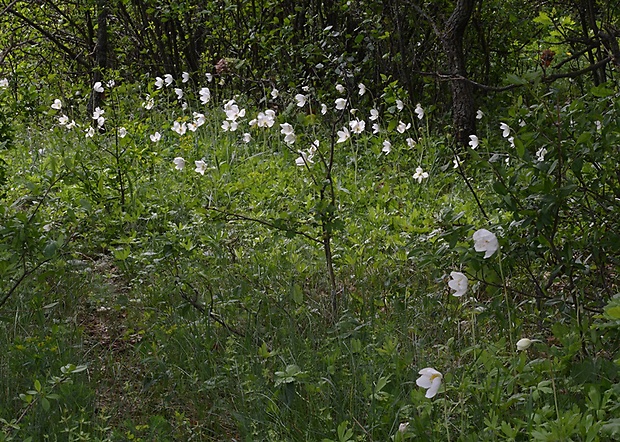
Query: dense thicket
<point>445,52</point>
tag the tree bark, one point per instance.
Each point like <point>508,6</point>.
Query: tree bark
<point>463,108</point>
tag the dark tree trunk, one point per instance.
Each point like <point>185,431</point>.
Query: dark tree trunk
<point>463,109</point>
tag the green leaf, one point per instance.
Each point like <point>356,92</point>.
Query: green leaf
<point>601,91</point>
<point>37,386</point>
<point>45,404</point>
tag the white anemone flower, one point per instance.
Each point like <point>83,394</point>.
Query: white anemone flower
<point>374,114</point>
<point>301,100</point>
<point>201,167</point>
<point>323,109</point>
<point>400,105</point>
<point>149,103</point>
<point>288,132</point>
<point>168,79</point>
<point>479,114</point>
<point>275,93</point>
<point>505,130</point>
<point>357,126</point>
<point>430,379</point>
<point>179,163</point>
<point>209,77</point>
<point>458,283</point>
<point>247,137</point>
<point>362,89</point>
<point>122,132</point>
<point>90,132</point>
<point>343,135</point>
<point>63,120</point>
<point>98,87</point>
<point>205,95</point>
<point>4,82</point>
<point>402,127</point>
<point>540,154</point>
<point>340,88</point>
<point>179,128</point>
<point>179,92</point>
<point>376,128</point>
<point>485,241</point>
<point>159,82</point>
<point>525,343</point>
<point>419,174</point>
<point>411,142</point>
<point>57,104</point>
<point>419,111</point>
<point>473,143</point>
<point>387,147</point>
<point>185,77</point>
<point>155,137</point>
<point>341,103</point>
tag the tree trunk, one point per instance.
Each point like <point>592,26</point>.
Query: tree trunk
<point>463,109</point>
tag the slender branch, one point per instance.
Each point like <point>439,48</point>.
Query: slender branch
<point>238,216</point>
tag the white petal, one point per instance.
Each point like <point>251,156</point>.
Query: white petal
<point>432,391</point>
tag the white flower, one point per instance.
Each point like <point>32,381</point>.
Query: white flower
<point>63,119</point>
<point>199,119</point>
<point>289,133</point>
<point>362,89</point>
<point>456,162</point>
<point>374,114</point>
<point>341,103</point>
<point>155,137</point>
<point>419,174</point>
<point>122,132</point>
<point>4,82</point>
<point>179,163</point>
<point>168,79</point>
<point>419,111</point>
<point>232,111</point>
<point>159,82</point>
<point>192,127</point>
<point>247,137</point>
<point>357,126</point>
<point>375,128</point>
<point>149,103</point>
<point>179,92</point>
<point>265,119</point>
<point>403,427</point>
<point>323,109</point>
<point>71,125</point>
<point>205,95</point>
<point>402,127</point>
<point>474,141</point>
<point>301,100</point>
<point>90,132</point>
<point>57,104</point>
<point>479,115</point>
<point>185,77</point>
<point>430,379</point>
<point>274,93</point>
<point>110,83</point>
<point>179,128</point>
<point>410,142</point>
<point>540,154</point>
<point>524,344</point>
<point>98,112</point>
<point>98,87</point>
<point>458,283</point>
<point>340,88</point>
<point>343,135</point>
<point>522,123</point>
<point>505,130</point>
<point>229,126</point>
<point>209,77</point>
<point>201,167</point>
<point>387,147</point>
<point>598,125</point>
<point>485,241</point>
<point>511,140</point>
<point>400,105</point>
